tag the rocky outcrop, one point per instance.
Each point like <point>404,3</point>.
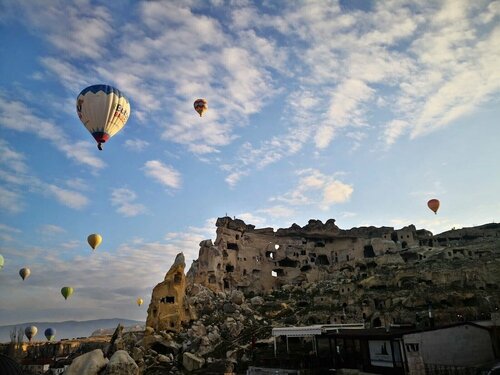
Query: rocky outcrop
<point>167,310</point>
<point>121,364</point>
<point>90,363</point>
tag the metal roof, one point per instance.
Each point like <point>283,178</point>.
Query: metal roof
<point>314,330</point>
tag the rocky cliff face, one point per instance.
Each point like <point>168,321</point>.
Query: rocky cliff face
<point>167,310</point>
<point>262,260</point>
<point>373,275</point>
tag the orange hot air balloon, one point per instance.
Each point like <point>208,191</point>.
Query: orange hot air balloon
<point>433,204</point>
<point>200,106</point>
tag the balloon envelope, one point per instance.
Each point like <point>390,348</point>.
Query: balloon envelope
<point>94,240</point>
<point>433,204</point>
<point>30,332</point>
<point>66,291</point>
<point>24,273</point>
<point>2,262</point>
<point>50,333</point>
<point>103,110</point>
<point>140,301</point>
<point>200,106</point>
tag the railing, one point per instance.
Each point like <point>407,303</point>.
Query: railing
<point>451,370</point>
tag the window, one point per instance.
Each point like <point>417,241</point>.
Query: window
<point>177,278</point>
<point>414,347</point>
<point>274,274</point>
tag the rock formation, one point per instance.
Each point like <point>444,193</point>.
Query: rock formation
<point>167,310</point>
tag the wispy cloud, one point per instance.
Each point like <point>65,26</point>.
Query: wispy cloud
<point>164,174</point>
<point>123,199</point>
<point>316,189</point>
<point>136,144</point>
<point>72,199</point>
<point>51,229</point>
<point>15,175</point>
<point>15,115</point>
<point>11,200</point>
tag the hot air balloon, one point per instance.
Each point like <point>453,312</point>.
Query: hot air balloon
<point>66,291</point>
<point>50,333</point>
<point>140,301</point>
<point>103,110</point>
<point>2,262</point>
<point>433,204</point>
<point>30,332</point>
<point>94,240</point>
<point>200,106</point>
<point>24,273</point>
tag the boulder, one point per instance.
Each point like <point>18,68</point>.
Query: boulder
<point>90,363</point>
<point>257,301</point>
<point>237,297</point>
<point>121,364</point>
<point>192,362</point>
<point>228,308</point>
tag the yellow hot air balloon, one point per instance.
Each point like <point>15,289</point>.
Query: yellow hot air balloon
<point>94,240</point>
<point>66,291</point>
<point>30,332</point>
<point>200,106</point>
<point>103,110</point>
<point>140,301</point>
<point>24,273</point>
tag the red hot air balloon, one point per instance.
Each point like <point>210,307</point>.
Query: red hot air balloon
<point>433,204</point>
<point>200,106</point>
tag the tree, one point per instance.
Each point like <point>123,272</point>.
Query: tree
<point>13,335</point>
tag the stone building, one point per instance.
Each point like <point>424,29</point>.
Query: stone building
<point>261,260</point>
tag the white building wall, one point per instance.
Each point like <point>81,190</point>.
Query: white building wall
<point>464,346</point>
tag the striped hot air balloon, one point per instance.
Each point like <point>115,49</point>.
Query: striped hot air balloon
<point>103,110</point>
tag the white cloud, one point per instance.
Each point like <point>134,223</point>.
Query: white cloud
<point>164,174</point>
<point>15,115</point>
<point>66,197</point>
<point>123,199</point>
<point>10,201</point>
<point>336,192</point>
<point>7,228</point>
<point>12,159</point>
<point>251,218</point>
<point>136,144</point>
<point>317,189</point>
<point>51,229</point>
<point>77,184</point>
<point>278,211</point>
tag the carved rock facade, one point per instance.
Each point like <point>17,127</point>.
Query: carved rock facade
<point>167,310</point>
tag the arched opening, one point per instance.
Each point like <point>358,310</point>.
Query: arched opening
<point>287,262</point>
<point>368,251</point>
<point>232,246</point>
<point>322,260</point>
<point>376,323</point>
<point>229,267</point>
<point>211,279</point>
<point>404,245</point>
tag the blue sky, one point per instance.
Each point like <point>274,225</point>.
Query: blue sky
<point>355,110</point>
